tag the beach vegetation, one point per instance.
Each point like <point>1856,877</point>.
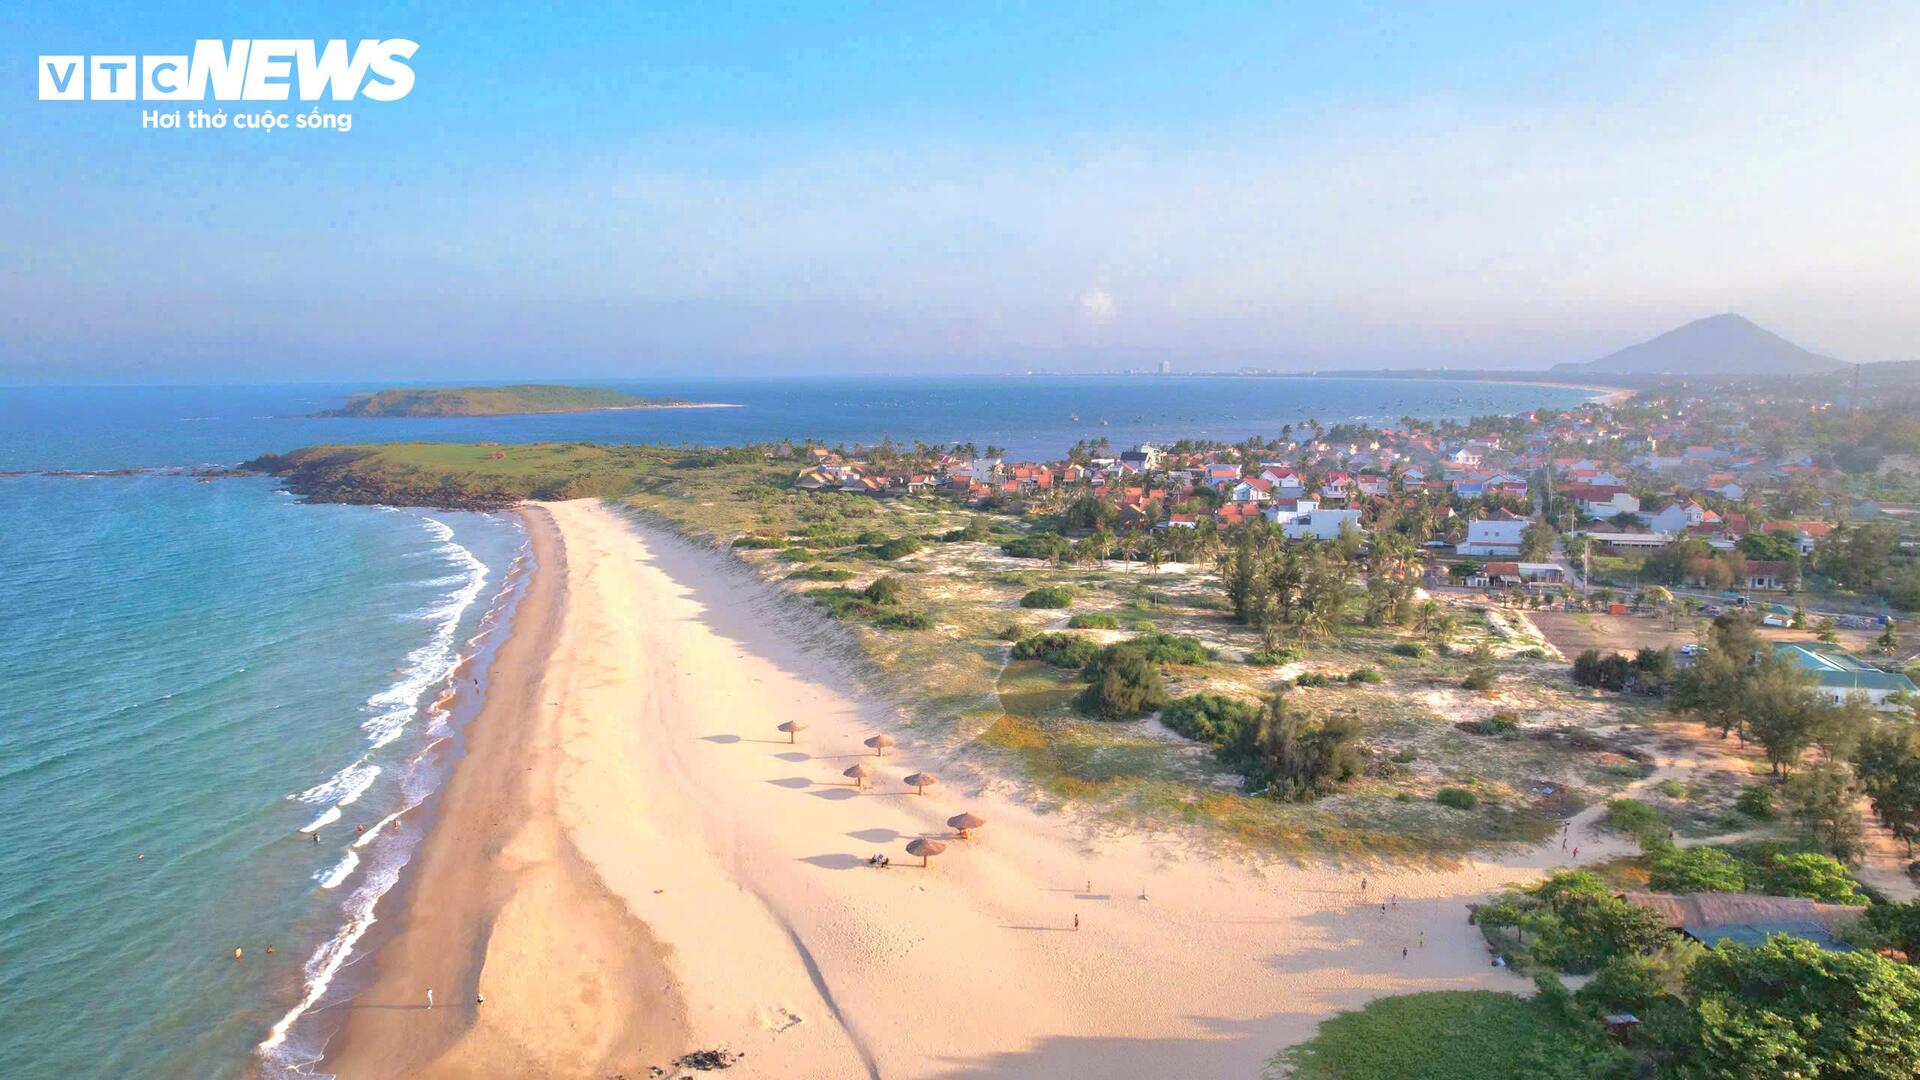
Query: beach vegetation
<point>1457,1035</point>
<point>1573,922</point>
<point>1456,798</point>
<point>1093,621</point>
<point>1061,650</point>
<point>1048,596</point>
<point>1210,718</point>
<point>885,590</point>
<point>1124,684</point>
<point>1697,869</point>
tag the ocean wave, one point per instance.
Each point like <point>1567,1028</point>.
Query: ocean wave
<point>327,960</point>
<point>435,661</point>
<point>331,878</point>
<point>327,817</point>
<point>343,787</point>
<point>394,709</point>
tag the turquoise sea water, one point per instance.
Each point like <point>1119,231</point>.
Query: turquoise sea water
<point>198,671</point>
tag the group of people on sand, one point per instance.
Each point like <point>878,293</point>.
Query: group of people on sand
<point>881,861</point>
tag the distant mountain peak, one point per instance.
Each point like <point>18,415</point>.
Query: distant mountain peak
<point>1725,344</point>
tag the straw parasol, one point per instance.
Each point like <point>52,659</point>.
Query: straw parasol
<point>925,848</point>
<point>880,744</point>
<point>920,780</point>
<point>965,823</point>
<point>793,728</point>
<point>859,771</point>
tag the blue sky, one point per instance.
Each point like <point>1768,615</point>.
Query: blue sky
<point>971,188</point>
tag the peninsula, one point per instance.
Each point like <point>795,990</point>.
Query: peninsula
<point>519,400</point>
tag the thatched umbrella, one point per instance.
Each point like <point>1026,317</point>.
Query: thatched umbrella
<point>880,744</point>
<point>793,728</point>
<point>965,823</point>
<point>920,780</point>
<point>925,847</point>
<point>859,771</point>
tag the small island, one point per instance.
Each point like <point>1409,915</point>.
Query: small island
<point>517,400</point>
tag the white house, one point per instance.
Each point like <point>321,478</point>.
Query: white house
<point>1307,519</point>
<point>1494,536</point>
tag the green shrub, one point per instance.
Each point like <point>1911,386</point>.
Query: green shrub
<point>1093,621</point>
<point>907,620</point>
<point>1209,718</point>
<point>1574,922</point>
<point>871,538</point>
<point>821,573</point>
<point>897,548</point>
<point>1697,869</point>
<point>1755,801</point>
<point>843,603</point>
<point>1363,675</point>
<point>1499,723</point>
<point>1812,875</point>
<point>1125,684</point>
<point>1411,649</point>
<point>1405,755</point>
<point>1638,820</point>
<point>1038,545</point>
<point>1048,596</point>
<point>1535,653</point>
<point>1275,658</point>
<point>1140,626</point>
<point>1057,649</point>
<point>1171,648</point>
<point>799,554</point>
<point>886,590</point>
<point>1013,632</point>
<point>1312,678</point>
<point>1480,678</point>
<point>1458,798</point>
<point>757,543</point>
<point>1672,789</point>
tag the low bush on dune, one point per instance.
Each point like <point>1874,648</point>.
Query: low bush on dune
<point>907,620</point>
<point>1210,718</point>
<point>1171,648</point>
<point>1057,649</point>
<point>886,590</point>
<point>1457,798</point>
<point>1048,596</point>
<point>1125,684</point>
<point>1093,621</point>
<point>821,573</point>
<point>897,548</point>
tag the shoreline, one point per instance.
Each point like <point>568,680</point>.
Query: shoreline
<point>636,823</point>
<point>491,844</point>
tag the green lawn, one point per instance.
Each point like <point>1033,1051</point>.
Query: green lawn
<point>1441,1035</point>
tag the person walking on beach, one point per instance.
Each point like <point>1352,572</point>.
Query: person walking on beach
<point>1076,920</point>
<point>429,997</point>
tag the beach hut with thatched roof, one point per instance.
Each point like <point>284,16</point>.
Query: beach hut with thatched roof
<point>965,823</point>
<point>921,780</point>
<point>925,847</point>
<point>880,744</point>
<point>859,771</point>
<point>793,728</point>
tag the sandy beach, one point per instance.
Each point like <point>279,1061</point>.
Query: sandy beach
<point>633,862</point>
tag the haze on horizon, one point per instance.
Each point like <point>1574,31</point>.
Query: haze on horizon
<point>636,193</point>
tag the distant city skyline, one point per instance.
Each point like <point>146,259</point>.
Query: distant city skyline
<point>636,193</point>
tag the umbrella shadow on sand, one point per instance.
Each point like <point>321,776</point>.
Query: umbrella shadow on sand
<point>792,783</point>
<point>838,860</point>
<point>876,836</point>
